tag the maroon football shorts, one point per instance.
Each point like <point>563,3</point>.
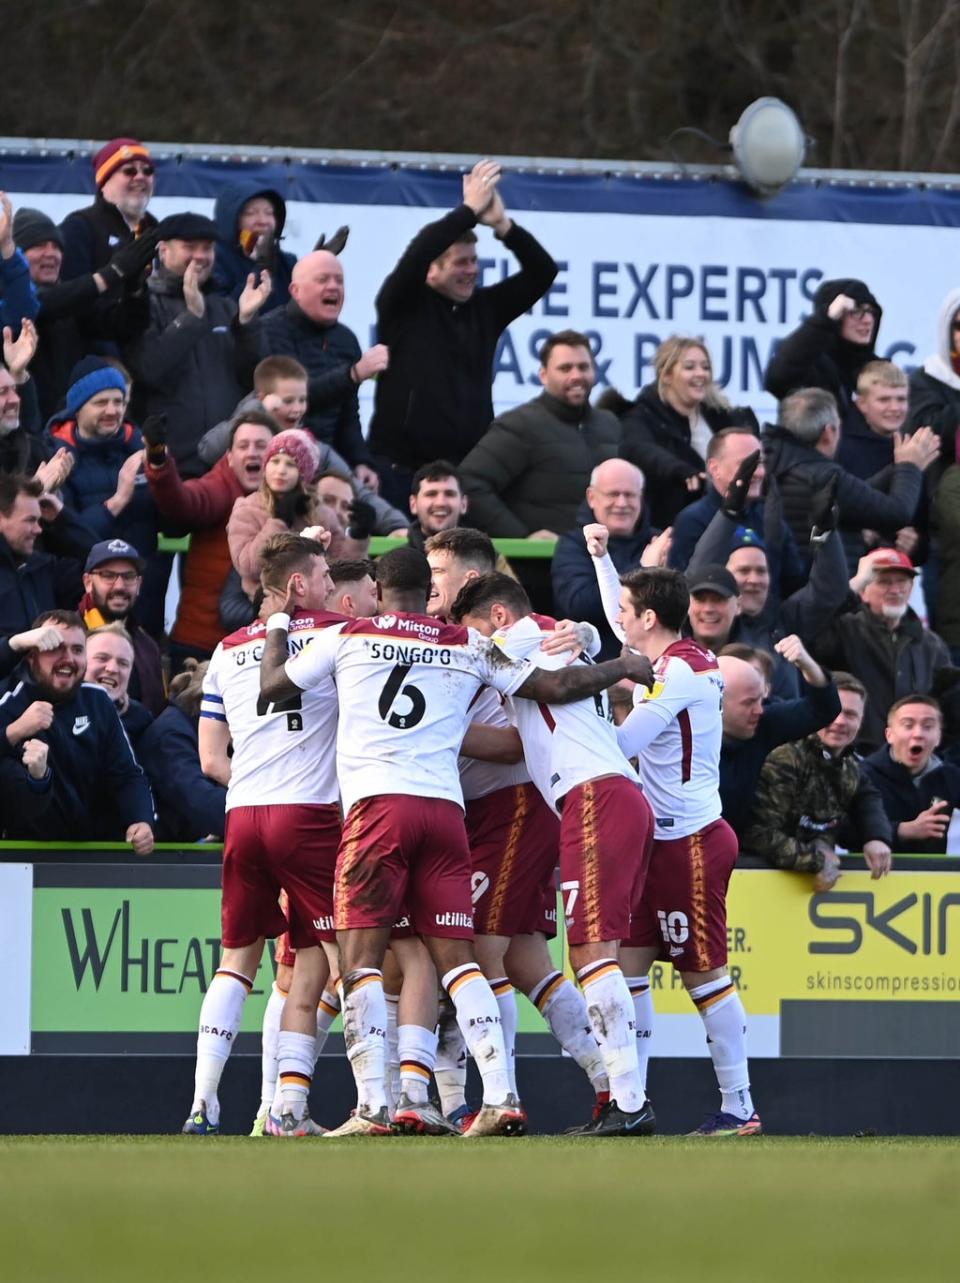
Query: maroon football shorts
<point>514,843</point>
<point>404,855</point>
<point>605,835</point>
<point>269,847</point>
<point>683,909</point>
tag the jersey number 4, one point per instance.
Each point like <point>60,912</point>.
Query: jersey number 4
<point>394,687</point>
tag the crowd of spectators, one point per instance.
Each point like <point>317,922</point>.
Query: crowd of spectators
<point>190,377</point>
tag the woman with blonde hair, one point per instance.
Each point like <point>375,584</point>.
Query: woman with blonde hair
<point>666,430</point>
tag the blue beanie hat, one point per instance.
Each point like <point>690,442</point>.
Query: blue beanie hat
<point>90,376</point>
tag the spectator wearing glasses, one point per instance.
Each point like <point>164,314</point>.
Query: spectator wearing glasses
<point>830,348</point>
<point>112,579</point>
<point>124,174</point>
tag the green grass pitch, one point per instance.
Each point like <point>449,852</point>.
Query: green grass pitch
<point>174,1209</point>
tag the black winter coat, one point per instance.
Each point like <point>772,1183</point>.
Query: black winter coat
<point>92,236</point>
<point>910,660</point>
<point>192,369</point>
<point>656,438</point>
<point>530,469</point>
<point>47,579</point>
<point>96,788</point>
<point>815,356</point>
<point>905,796</point>
<point>801,472</point>
<point>435,401</point>
<point>328,352</point>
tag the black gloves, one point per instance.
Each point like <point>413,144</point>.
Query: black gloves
<point>824,513</point>
<point>154,432</point>
<point>336,242</point>
<point>735,498</point>
<point>291,505</point>
<point>130,261</point>
<point>363,519</point>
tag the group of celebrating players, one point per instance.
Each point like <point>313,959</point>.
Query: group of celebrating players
<point>412,757</point>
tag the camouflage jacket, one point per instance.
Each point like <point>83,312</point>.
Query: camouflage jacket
<point>804,797</point>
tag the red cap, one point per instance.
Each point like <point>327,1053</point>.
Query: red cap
<point>892,559</point>
<point>116,153</point>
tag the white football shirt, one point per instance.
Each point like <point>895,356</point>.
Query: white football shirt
<point>564,744</point>
<point>283,753</point>
<point>405,683</point>
<point>675,732</point>
<point>479,779</point>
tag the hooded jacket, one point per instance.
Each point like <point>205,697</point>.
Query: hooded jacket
<point>656,438</point>
<point>815,355</point>
<point>905,795</point>
<point>193,369</point>
<point>935,390</point>
<point>233,264</point>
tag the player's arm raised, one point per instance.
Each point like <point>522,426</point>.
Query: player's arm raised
<point>274,682</point>
<point>564,685</point>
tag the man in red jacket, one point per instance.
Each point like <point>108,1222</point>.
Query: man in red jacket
<point>202,506</point>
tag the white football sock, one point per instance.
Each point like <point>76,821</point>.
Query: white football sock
<point>725,1021</point>
<point>220,1017</point>
<point>328,1008</point>
<point>364,1032</point>
<point>272,1013</point>
<point>393,1051</point>
<point>561,1004</point>
<point>417,1049</point>
<point>479,1020</point>
<point>610,1009</point>
<point>450,1069</point>
<point>297,1054</point>
<point>507,1006</point>
<point>639,987</point>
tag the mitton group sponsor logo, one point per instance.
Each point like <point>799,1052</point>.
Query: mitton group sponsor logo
<point>418,626</point>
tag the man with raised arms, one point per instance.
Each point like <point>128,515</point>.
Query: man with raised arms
<point>675,732</point>
<point>405,684</point>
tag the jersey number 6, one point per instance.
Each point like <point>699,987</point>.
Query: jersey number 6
<point>392,688</point>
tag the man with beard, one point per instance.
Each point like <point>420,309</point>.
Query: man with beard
<point>202,506</point>
<point>884,644</point>
<point>526,476</point>
<point>112,579</point>
<point>197,356</point>
<point>124,174</point>
<point>93,789</point>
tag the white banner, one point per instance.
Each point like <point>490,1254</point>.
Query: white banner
<point>16,931</point>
